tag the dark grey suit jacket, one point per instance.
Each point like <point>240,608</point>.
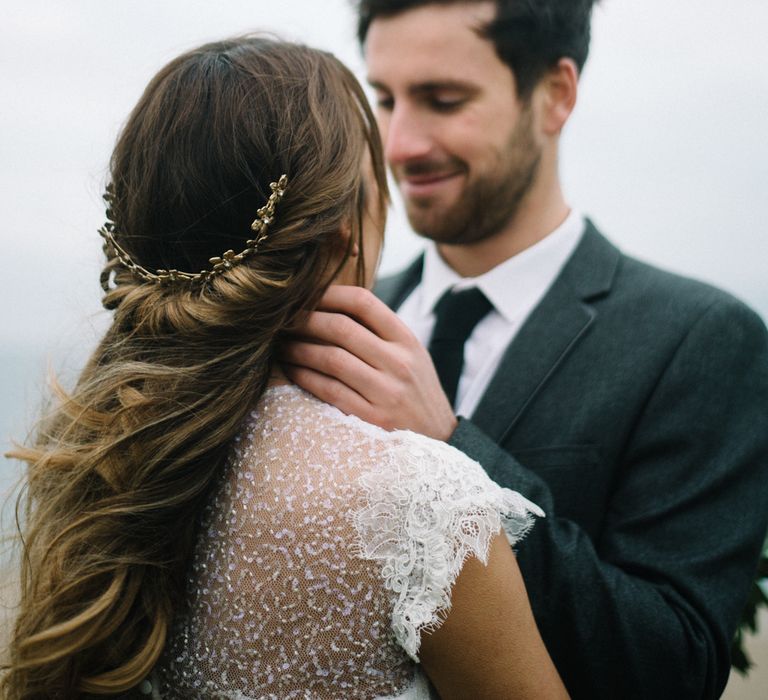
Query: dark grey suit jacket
<point>633,407</point>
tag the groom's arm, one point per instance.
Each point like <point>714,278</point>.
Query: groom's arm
<point>355,353</point>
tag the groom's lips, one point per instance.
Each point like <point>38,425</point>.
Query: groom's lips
<point>427,184</point>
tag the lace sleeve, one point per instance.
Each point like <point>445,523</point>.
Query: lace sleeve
<point>428,511</point>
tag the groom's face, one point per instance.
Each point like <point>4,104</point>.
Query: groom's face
<point>462,146</point>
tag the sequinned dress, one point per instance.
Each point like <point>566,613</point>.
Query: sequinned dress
<point>328,547</point>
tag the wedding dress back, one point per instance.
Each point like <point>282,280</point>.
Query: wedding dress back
<point>328,547</point>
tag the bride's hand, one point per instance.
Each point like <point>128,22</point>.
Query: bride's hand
<point>355,353</point>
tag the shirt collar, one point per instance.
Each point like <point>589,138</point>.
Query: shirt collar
<point>512,284</point>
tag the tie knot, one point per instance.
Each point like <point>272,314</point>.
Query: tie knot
<point>457,313</point>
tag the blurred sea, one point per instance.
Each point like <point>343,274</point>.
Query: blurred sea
<point>22,376</point>
<point>24,372</point>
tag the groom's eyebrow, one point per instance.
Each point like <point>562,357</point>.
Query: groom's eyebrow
<point>430,86</point>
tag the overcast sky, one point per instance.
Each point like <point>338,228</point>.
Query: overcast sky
<point>667,150</point>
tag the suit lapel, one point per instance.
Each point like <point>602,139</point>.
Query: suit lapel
<point>550,333</point>
<point>394,290</point>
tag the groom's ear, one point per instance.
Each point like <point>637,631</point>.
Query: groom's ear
<point>558,90</point>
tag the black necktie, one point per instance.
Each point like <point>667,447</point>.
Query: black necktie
<point>456,314</point>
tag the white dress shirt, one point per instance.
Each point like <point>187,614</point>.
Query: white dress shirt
<point>514,287</point>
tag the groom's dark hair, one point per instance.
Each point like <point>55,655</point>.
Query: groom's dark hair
<point>530,36</point>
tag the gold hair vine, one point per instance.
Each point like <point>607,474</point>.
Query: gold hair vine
<point>264,217</point>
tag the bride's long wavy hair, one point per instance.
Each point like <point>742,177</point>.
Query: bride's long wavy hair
<point>118,472</point>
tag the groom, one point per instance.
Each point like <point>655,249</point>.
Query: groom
<point>629,403</point>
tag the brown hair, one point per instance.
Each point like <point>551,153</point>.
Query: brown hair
<point>118,473</point>
<point>530,36</point>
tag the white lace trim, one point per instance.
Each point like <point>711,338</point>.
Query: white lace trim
<point>426,513</point>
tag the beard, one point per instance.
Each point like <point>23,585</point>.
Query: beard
<point>489,201</point>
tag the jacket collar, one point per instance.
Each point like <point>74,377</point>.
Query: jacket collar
<point>552,331</point>
<point>550,334</point>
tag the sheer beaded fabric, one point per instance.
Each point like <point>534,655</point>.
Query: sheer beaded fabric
<point>328,547</point>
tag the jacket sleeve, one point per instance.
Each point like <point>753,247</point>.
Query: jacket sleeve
<point>649,608</point>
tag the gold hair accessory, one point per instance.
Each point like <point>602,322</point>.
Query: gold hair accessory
<point>264,217</point>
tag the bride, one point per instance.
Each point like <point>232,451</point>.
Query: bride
<point>197,527</point>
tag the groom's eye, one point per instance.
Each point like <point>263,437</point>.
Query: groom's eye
<point>385,101</point>
<point>446,104</point>
<point>447,98</point>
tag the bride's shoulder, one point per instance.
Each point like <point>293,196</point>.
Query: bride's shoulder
<point>427,447</point>
<point>297,423</point>
<point>288,407</point>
